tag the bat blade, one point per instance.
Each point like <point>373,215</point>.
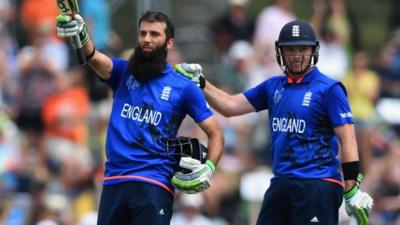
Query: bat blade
<point>68,7</point>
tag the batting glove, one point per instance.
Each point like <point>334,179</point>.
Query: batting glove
<point>68,27</point>
<point>194,72</point>
<point>358,204</point>
<point>197,180</point>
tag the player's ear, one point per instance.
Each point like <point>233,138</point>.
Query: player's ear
<point>170,43</point>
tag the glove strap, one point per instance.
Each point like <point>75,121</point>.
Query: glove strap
<point>84,35</point>
<point>202,82</point>
<point>350,193</point>
<point>211,165</point>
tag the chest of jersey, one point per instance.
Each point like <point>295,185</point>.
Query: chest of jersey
<point>294,108</point>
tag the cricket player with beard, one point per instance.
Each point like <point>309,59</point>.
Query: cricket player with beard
<point>150,100</point>
<point>310,121</point>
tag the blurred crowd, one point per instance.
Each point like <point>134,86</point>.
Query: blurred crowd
<point>54,112</point>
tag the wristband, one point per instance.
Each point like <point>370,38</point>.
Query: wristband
<point>351,170</point>
<point>202,82</point>
<point>90,56</point>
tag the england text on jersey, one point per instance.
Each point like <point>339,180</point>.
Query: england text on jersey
<point>139,114</point>
<point>288,125</point>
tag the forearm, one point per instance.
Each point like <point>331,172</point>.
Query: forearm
<point>349,154</point>
<point>215,146</point>
<point>348,148</point>
<point>219,100</point>
<point>100,62</point>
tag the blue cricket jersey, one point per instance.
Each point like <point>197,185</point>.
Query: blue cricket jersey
<point>143,117</point>
<point>301,119</point>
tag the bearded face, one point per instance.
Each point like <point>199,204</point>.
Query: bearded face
<point>146,65</point>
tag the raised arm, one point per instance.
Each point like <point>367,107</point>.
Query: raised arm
<point>224,103</point>
<point>69,27</point>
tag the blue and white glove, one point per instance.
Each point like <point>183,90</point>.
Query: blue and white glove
<point>358,204</point>
<point>198,180</point>
<point>68,27</point>
<point>194,72</point>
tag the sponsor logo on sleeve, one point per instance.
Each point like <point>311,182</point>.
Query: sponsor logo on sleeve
<point>346,115</point>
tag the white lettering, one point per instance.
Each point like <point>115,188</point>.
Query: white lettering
<point>346,115</point>
<point>124,111</point>
<point>137,113</point>
<point>288,125</point>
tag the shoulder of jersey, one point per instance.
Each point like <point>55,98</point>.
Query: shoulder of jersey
<point>180,78</point>
<point>325,79</point>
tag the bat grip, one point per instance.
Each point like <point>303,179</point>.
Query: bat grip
<point>79,50</point>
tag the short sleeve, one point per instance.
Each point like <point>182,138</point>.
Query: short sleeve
<point>338,106</point>
<point>195,103</point>
<point>257,96</point>
<point>120,68</point>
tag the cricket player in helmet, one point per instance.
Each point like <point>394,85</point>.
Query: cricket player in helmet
<point>310,121</point>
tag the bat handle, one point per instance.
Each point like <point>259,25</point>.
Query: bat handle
<point>79,50</point>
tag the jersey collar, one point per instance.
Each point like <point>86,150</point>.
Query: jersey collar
<point>168,69</point>
<point>305,79</point>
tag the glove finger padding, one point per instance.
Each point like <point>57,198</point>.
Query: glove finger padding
<point>193,71</point>
<point>69,27</point>
<point>196,181</point>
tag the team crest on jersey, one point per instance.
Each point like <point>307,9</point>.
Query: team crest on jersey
<point>165,93</point>
<point>131,83</point>
<point>278,95</point>
<point>307,99</point>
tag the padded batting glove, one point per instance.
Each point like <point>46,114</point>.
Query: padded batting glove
<point>68,27</point>
<point>197,180</point>
<point>358,204</point>
<point>194,72</point>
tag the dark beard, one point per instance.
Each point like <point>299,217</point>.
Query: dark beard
<point>146,66</point>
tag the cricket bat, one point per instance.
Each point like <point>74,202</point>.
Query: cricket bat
<point>70,7</point>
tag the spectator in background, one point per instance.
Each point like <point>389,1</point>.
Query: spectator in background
<point>36,12</point>
<point>388,67</point>
<point>65,111</point>
<point>269,23</point>
<point>8,52</point>
<point>235,73</point>
<point>98,19</point>
<point>38,67</point>
<point>363,87</point>
<point>336,17</point>
<point>190,213</point>
<point>235,24</point>
<point>334,59</point>
<point>384,182</point>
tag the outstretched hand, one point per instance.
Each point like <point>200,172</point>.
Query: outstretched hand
<point>193,71</point>
<point>69,27</point>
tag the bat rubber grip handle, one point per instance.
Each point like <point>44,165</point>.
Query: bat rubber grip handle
<point>81,56</point>
<point>79,51</point>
